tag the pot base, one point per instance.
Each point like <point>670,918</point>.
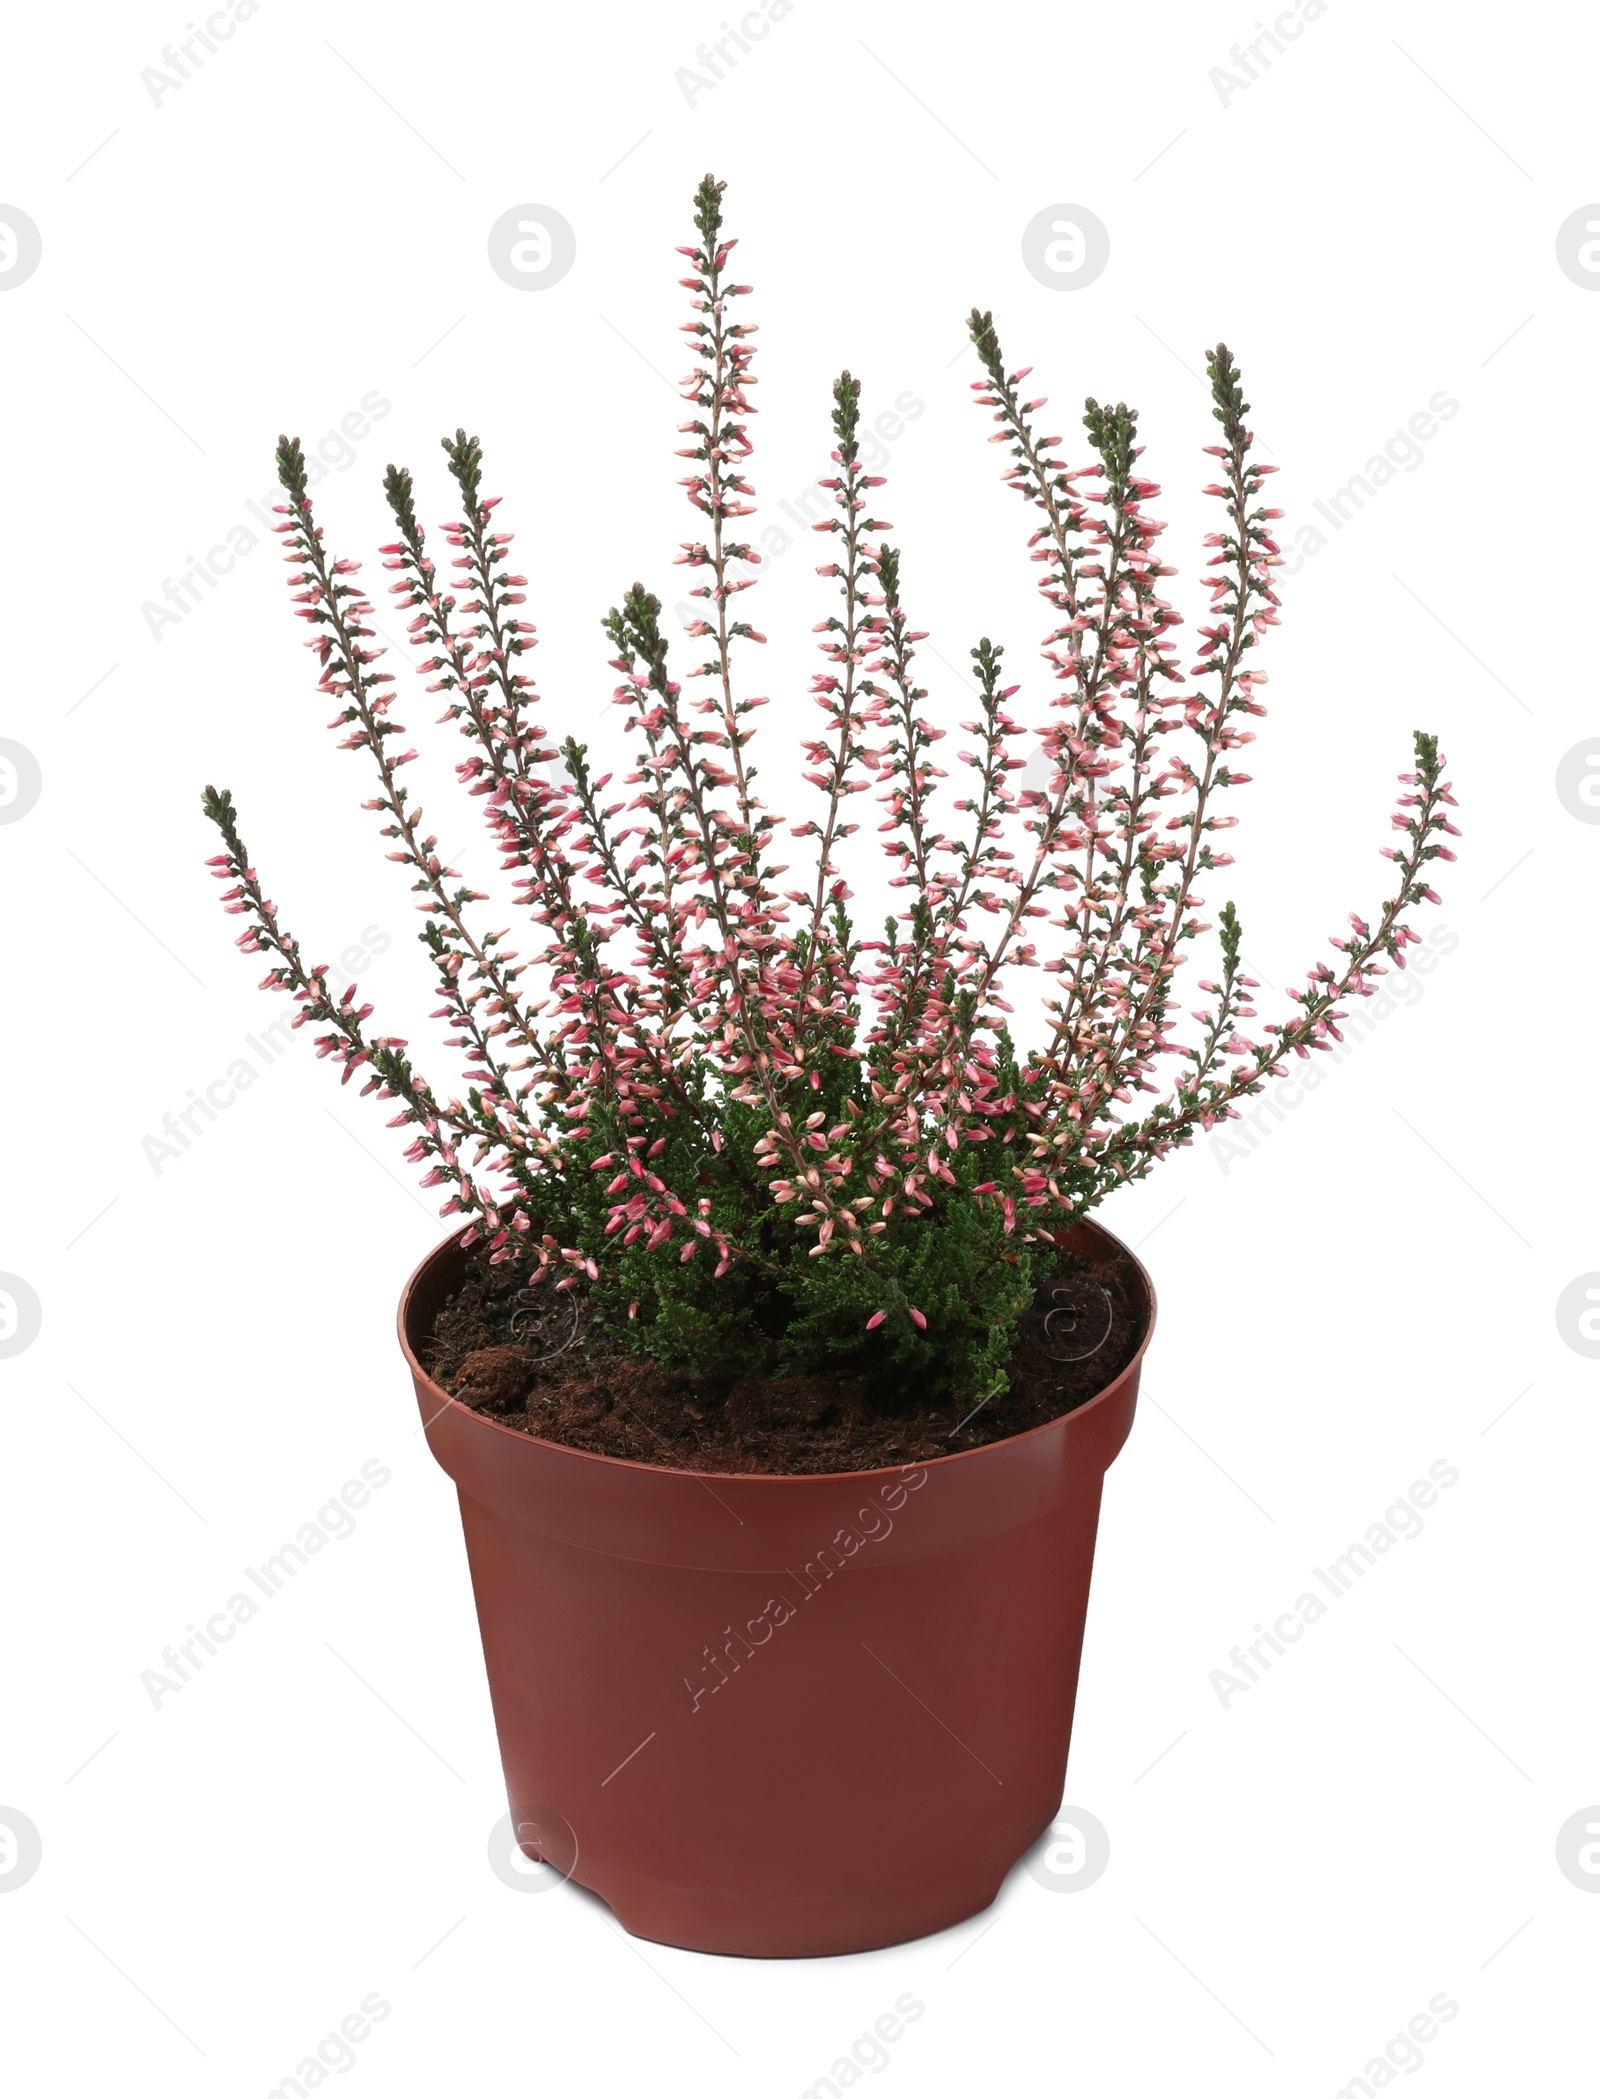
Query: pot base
<point>754,1929</point>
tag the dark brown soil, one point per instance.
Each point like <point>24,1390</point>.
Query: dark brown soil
<point>532,1361</point>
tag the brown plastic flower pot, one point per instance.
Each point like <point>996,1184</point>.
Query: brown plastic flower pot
<point>774,1715</point>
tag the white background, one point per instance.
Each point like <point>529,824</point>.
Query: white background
<point>1370,222</point>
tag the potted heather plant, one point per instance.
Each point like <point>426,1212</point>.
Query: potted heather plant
<point>773,1350</point>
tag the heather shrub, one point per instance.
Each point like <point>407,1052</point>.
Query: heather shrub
<point>749,1136</point>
